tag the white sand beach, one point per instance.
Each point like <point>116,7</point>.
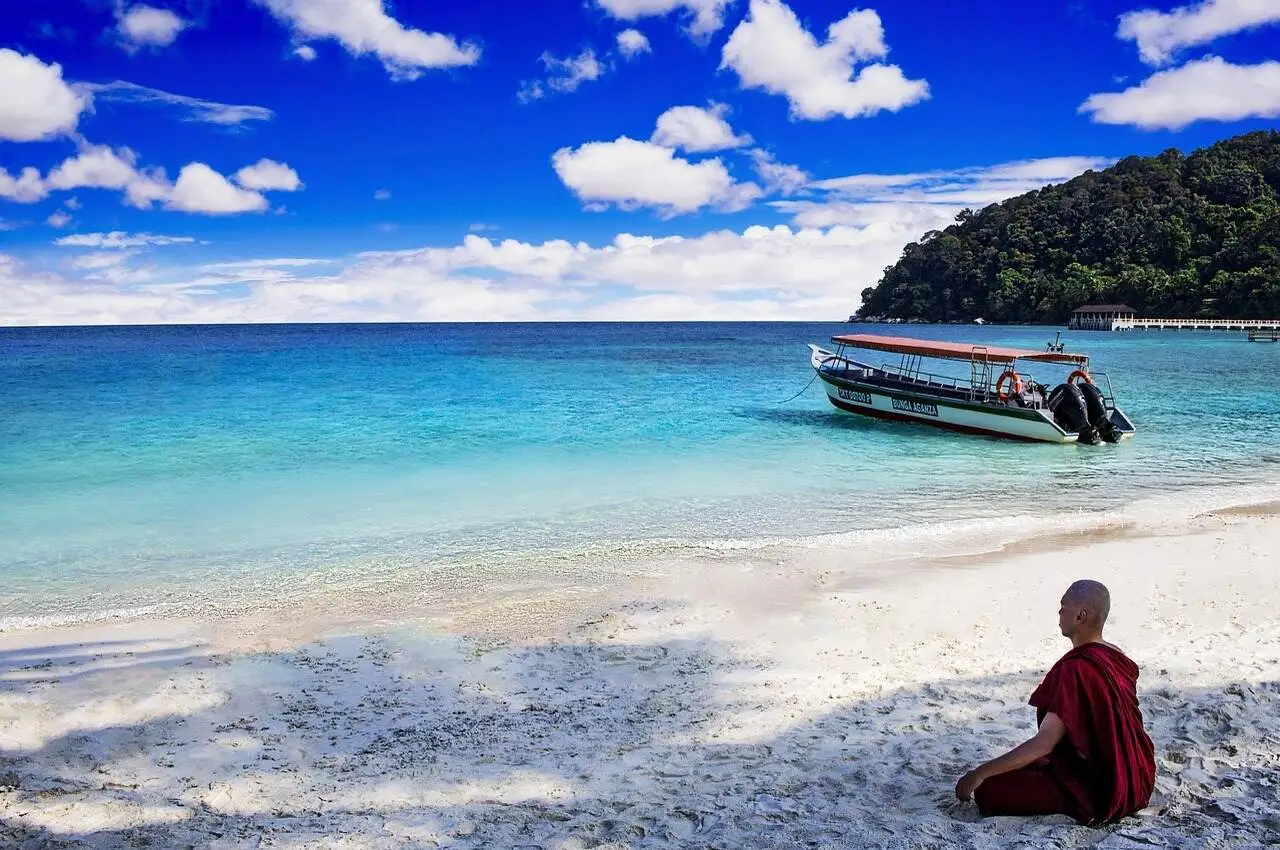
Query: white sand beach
<point>750,705</point>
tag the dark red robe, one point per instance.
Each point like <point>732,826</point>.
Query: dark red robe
<point>1105,765</point>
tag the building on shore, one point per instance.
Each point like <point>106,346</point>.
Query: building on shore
<point>1099,317</point>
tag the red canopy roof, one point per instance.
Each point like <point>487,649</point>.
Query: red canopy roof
<point>955,350</point>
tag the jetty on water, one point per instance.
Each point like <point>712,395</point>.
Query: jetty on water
<point>1196,325</point>
<point>1121,317</point>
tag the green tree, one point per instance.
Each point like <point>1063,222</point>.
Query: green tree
<point>1169,234</point>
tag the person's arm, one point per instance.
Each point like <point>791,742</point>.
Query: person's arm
<point>1039,746</point>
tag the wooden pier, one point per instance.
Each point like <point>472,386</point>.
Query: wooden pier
<point>1264,335</point>
<point>1127,324</point>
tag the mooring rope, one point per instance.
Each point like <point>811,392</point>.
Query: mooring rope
<point>802,392</point>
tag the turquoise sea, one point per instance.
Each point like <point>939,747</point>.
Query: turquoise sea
<point>163,470</point>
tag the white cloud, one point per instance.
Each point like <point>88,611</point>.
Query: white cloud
<point>705,16</point>
<point>193,109</point>
<point>123,275</point>
<point>35,102</point>
<point>696,130</point>
<point>119,239</point>
<point>382,195</point>
<point>363,26</point>
<point>908,220</point>
<point>305,52</point>
<point>1010,178</point>
<point>771,50</point>
<point>148,25</point>
<point>71,204</point>
<point>1209,89</point>
<point>530,90</point>
<point>1160,35</point>
<point>759,273</point>
<point>100,259</point>
<point>778,177</point>
<point>564,75</point>
<point>25,188</point>
<point>480,226</point>
<point>1040,172</point>
<point>929,200</point>
<point>101,167</point>
<point>802,271</point>
<point>149,187</point>
<point>271,263</point>
<point>58,219</point>
<point>633,174</point>
<point>632,43</point>
<point>200,189</point>
<point>267,175</point>
<point>95,167</point>
<point>724,261</point>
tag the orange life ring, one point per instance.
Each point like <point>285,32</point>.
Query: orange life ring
<point>1017,384</point>
<point>1079,373</point>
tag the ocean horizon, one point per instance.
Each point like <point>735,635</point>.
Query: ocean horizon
<point>165,470</point>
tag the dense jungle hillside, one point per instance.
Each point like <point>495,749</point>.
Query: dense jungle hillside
<point>1170,235</point>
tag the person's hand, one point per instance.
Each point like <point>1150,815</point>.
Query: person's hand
<point>967,785</point>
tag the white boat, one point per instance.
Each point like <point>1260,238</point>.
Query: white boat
<point>998,398</point>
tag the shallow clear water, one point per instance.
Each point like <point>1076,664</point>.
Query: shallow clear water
<point>141,466</point>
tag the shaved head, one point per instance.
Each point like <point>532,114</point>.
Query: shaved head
<point>1092,596</point>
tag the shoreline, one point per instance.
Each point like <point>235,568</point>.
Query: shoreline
<point>752,705</point>
<point>358,595</point>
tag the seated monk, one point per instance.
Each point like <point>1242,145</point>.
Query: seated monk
<point>1091,758</point>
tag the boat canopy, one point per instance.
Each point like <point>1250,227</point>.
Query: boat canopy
<point>955,350</point>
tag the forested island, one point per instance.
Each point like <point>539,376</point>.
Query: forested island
<point>1170,235</point>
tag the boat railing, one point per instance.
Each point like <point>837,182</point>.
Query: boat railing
<point>915,376</point>
<point>1108,392</point>
<point>978,387</point>
<point>842,367</point>
<point>979,374</point>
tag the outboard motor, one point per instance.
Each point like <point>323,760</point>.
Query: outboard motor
<point>1097,410</point>
<point>1070,412</point>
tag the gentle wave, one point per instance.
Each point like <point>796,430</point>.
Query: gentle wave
<point>608,560</point>
<point>49,621</point>
<point>988,534</point>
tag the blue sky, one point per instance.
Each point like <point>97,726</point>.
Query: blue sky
<point>322,160</point>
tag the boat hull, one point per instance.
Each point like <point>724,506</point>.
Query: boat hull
<point>880,403</point>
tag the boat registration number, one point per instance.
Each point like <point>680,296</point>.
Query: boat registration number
<point>854,395</point>
<point>923,408</point>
